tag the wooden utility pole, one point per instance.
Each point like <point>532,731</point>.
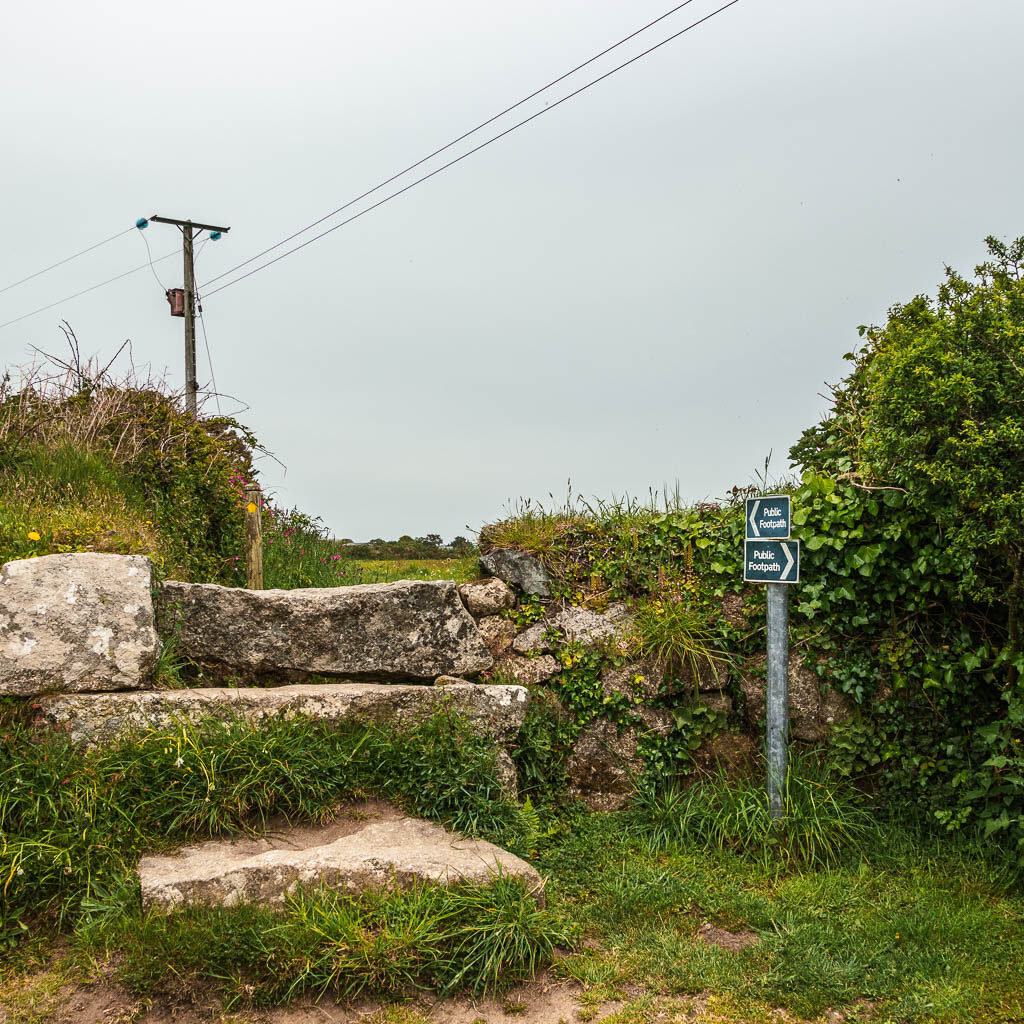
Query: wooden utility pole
<point>191,384</point>
<point>187,227</point>
<point>253,538</point>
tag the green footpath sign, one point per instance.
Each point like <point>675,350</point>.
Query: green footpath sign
<point>771,561</point>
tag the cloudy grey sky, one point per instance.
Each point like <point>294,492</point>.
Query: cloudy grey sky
<point>651,282</point>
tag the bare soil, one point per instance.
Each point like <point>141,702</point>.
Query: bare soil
<point>544,1001</point>
<point>734,942</point>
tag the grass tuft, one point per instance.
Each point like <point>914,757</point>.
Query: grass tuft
<point>476,938</point>
<point>825,820</point>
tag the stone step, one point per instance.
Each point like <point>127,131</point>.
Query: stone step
<point>370,846</point>
<point>95,718</point>
<point>412,630</point>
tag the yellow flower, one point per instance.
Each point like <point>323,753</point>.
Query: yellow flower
<point>32,535</point>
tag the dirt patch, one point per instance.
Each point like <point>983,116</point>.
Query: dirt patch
<point>544,1001</point>
<point>734,942</point>
<point>33,1001</point>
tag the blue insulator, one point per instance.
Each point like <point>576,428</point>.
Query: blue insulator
<point>142,223</point>
<point>214,235</point>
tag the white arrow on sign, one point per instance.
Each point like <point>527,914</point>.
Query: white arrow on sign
<point>789,562</point>
<point>753,519</point>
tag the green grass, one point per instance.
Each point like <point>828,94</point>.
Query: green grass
<point>922,931</point>
<point>462,570</point>
<point>826,820</point>
<point>475,938</point>
<point>876,920</point>
<point>296,553</point>
<point>69,500</point>
<point>73,824</point>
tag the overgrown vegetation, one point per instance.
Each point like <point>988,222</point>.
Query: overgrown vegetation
<point>911,514</point>
<point>90,461</point>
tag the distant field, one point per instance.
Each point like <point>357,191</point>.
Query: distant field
<point>458,569</point>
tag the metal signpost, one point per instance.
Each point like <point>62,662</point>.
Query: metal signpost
<point>770,557</point>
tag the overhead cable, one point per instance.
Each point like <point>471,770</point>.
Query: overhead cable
<point>448,145</point>
<point>206,342</point>
<point>68,298</point>
<point>476,149</point>
<point>67,259</point>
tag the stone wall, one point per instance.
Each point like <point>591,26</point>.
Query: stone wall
<point>81,634</point>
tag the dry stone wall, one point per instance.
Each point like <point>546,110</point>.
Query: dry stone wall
<point>80,636</point>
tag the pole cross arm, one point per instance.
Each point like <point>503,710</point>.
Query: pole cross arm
<point>187,223</point>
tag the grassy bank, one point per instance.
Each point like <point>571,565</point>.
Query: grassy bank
<point>843,910</point>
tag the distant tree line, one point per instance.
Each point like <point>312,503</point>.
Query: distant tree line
<point>430,546</point>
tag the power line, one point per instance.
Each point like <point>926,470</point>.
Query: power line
<point>448,145</point>
<point>209,358</point>
<point>67,259</point>
<point>84,291</point>
<point>476,149</point>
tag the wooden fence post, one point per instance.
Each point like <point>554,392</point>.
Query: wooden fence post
<point>253,538</point>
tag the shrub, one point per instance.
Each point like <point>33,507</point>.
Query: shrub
<point>90,461</point>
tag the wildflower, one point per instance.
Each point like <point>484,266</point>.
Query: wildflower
<point>179,762</point>
<point>33,535</point>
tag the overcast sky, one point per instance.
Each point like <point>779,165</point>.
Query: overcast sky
<point>651,282</point>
